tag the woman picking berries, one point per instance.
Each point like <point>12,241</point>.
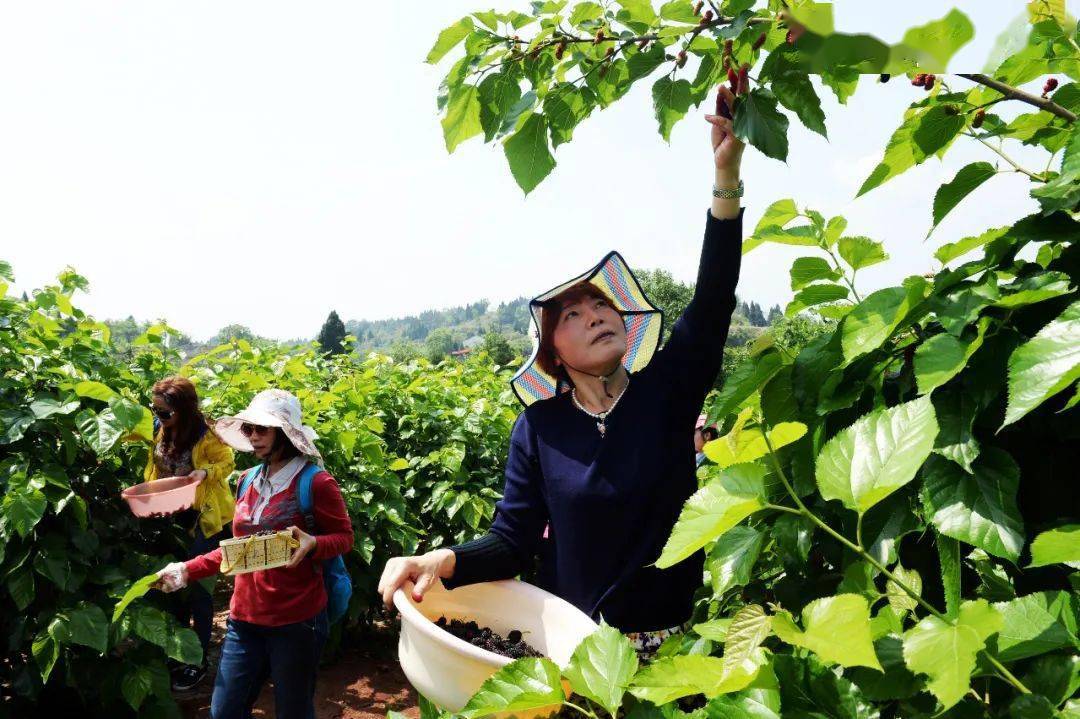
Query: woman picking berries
<point>277,617</point>
<point>184,446</point>
<point>603,453</point>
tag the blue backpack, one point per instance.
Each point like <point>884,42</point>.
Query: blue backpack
<point>335,577</point>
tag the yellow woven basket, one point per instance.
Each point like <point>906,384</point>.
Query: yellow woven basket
<point>256,552</point>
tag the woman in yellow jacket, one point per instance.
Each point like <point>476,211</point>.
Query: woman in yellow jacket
<point>184,445</point>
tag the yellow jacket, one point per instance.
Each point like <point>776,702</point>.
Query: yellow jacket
<point>213,498</point>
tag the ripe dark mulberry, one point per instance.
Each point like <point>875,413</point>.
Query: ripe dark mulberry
<point>760,41</point>
<point>929,82</point>
<point>707,17</point>
<point>721,106</point>
<point>919,80</point>
<point>977,121</point>
<point>884,77</point>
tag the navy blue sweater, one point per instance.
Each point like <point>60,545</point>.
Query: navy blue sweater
<point>611,501</point>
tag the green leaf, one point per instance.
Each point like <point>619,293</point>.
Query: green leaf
<point>498,94</point>
<point>671,101</point>
<point>101,431</point>
<point>777,214</point>
<point>13,425</point>
<point>747,445</point>
<point>956,410</point>
<point>758,122</point>
<point>748,377</point>
<point>1063,192</point>
<point>963,184</point>
<point>23,508</point>
<point>639,11</point>
<point>710,512</point>
<point>1055,676</point>
<point>95,390</point>
<point>1036,288</point>
<point>679,11</point>
<point>946,653</point>
<point>813,295</point>
<point>873,320</point>
<point>795,92</point>
<point>837,629</point>
<point>950,251</point>
<point>521,685</point>
<point>136,590</point>
<point>860,252</point>
<point>944,356</point>
<point>715,630</point>
<point>748,629</point>
<point>877,455</point>
<point>140,680</point>
<point>900,600</point>
<point>805,270</point>
<point>810,690</point>
<point>85,624</point>
<point>816,17</point>
<point>940,39</point>
<point>602,666</point>
<point>565,109</point>
<point>1044,365</point>
<point>1036,624</point>
<point>20,586</point>
<point>528,154</point>
<point>899,153</point>
<point>46,651</point>
<point>44,407</point>
<point>732,560</point>
<point>462,119</point>
<point>1060,545</point>
<point>671,678</point>
<point>936,129</point>
<point>948,550</point>
<point>448,39</point>
<point>978,508</point>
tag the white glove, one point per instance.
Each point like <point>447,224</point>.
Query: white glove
<point>173,577</point>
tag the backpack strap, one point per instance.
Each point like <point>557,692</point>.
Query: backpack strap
<point>246,479</point>
<point>304,494</point>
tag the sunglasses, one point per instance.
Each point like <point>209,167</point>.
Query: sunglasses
<point>163,414</point>
<point>250,429</point>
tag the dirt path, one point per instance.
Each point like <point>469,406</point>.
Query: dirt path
<point>364,682</point>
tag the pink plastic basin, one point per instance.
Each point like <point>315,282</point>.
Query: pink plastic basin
<point>162,496</point>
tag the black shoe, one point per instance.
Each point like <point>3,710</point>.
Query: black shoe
<point>188,678</point>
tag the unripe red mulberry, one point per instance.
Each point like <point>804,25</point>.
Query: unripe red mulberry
<point>729,46</point>
<point>733,80</point>
<point>697,6</point>
<point>789,38</point>
<point>1050,86</point>
<point>980,115</point>
<point>643,43</point>
<point>599,37</point>
<point>707,17</point>
<point>680,60</point>
<point>744,79</point>
<point>919,79</point>
<point>610,52</point>
<point>759,42</point>
<point>929,82</point>
<point>560,50</point>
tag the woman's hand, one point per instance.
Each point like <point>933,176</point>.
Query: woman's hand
<point>173,577</point>
<point>421,570</point>
<point>198,474</point>
<point>727,149</point>
<point>307,544</point>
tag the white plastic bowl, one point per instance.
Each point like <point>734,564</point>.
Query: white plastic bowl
<point>448,670</point>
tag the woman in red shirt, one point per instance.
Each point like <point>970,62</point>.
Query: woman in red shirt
<point>277,617</point>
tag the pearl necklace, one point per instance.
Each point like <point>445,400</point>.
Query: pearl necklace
<point>600,417</point>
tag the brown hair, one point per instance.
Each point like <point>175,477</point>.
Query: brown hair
<point>180,395</point>
<point>549,320</point>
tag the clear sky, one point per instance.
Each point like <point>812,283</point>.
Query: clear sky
<point>265,162</point>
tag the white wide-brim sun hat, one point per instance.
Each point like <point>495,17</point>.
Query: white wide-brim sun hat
<point>269,408</point>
